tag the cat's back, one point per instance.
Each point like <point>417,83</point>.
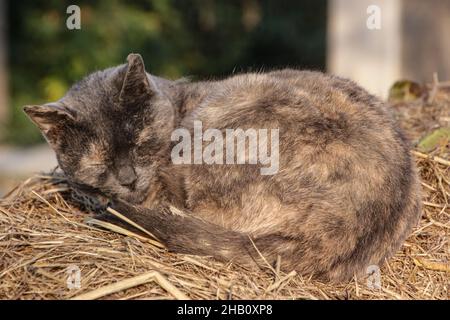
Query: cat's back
<point>323,106</point>
<point>335,139</point>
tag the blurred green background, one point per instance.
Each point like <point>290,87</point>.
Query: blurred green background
<point>199,38</point>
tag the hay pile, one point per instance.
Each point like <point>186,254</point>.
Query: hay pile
<point>43,235</point>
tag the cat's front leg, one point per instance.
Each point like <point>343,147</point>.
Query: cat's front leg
<point>92,201</point>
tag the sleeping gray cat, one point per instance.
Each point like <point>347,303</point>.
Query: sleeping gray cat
<point>345,197</point>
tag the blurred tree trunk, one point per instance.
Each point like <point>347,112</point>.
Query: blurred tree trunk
<point>412,42</point>
<point>426,39</point>
<point>3,67</point>
<point>370,56</point>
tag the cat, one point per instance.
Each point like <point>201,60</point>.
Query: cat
<point>345,197</point>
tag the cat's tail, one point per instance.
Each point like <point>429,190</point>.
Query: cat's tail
<point>182,232</point>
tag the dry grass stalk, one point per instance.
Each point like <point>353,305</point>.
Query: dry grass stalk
<point>132,282</point>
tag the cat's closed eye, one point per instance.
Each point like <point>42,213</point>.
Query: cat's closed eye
<point>97,167</point>
<point>147,146</point>
<point>93,171</point>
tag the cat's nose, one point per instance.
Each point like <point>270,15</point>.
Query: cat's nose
<point>127,176</point>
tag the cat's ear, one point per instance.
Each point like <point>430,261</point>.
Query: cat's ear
<point>136,85</point>
<point>52,119</point>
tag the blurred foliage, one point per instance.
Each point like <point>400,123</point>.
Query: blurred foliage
<point>204,38</point>
<point>439,138</point>
<point>405,91</point>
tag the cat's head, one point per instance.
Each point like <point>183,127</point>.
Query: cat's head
<point>111,131</point>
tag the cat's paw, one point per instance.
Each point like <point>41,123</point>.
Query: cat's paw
<point>94,203</point>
